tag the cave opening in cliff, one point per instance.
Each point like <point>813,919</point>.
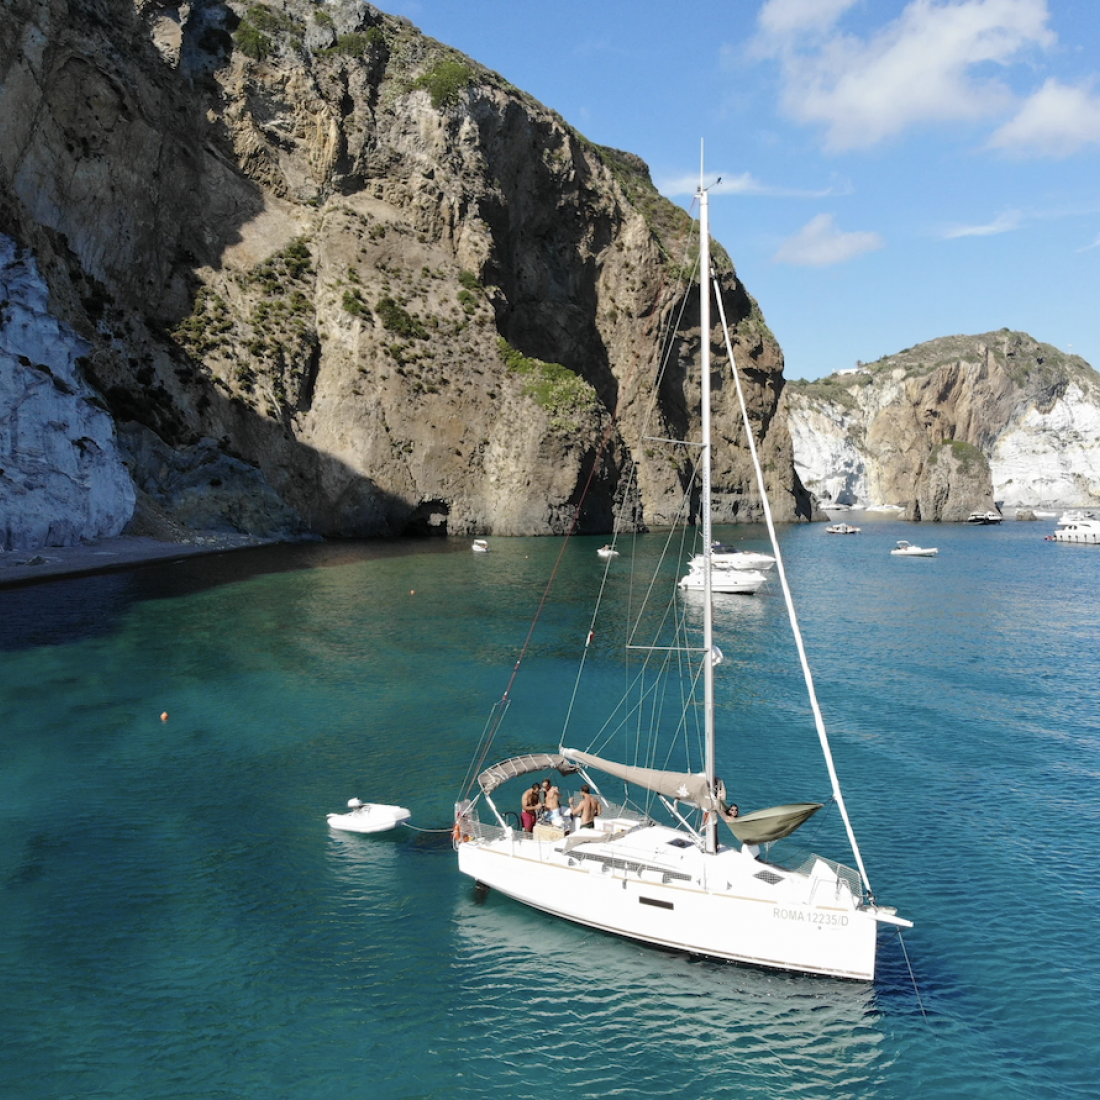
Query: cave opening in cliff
<point>428,520</point>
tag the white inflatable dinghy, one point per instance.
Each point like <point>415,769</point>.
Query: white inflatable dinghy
<point>368,817</point>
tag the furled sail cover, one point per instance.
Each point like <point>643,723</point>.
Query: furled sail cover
<point>774,823</point>
<point>492,777</point>
<point>758,827</point>
<point>679,786</point>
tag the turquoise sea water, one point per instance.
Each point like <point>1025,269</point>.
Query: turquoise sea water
<point>177,921</point>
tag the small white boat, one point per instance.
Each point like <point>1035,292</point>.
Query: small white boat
<point>984,519</point>
<point>480,546</point>
<point>841,529</point>
<point>368,817</point>
<point>607,552</point>
<point>908,550</point>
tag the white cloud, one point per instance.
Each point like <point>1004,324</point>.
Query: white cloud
<point>1056,121</point>
<point>783,17</point>
<point>920,68</point>
<point>744,184</point>
<point>819,243</point>
<point>1003,223</point>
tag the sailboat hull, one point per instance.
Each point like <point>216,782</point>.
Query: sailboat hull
<point>643,886</point>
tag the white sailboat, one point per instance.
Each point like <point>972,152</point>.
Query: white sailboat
<point>677,884</point>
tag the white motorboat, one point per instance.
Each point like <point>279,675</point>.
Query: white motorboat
<point>841,529</point>
<point>908,550</point>
<point>725,580</point>
<point>1085,532</point>
<point>984,519</point>
<point>726,557</point>
<point>654,868</point>
<point>607,552</point>
<point>368,817</point>
<point>480,546</point>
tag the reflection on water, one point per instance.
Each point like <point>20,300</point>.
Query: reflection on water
<point>659,1019</point>
<point>361,863</point>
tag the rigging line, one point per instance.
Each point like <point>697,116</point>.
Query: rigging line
<point>671,618</point>
<point>502,705</point>
<point>819,720</point>
<point>912,976</point>
<point>666,344</point>
<point>492,723</point>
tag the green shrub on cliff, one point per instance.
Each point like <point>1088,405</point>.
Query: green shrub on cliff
<point>259,27</point>
<point>562,392</point>
<point>469,295</point>
<point>355,43</point>
<point>353,303</point>
<point>966,455</point>
<point>396,318</point>
<point>832,389</point>
<point>445,81</point>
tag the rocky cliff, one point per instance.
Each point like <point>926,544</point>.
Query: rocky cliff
<point>1017,421</point>
<point>324,272</point>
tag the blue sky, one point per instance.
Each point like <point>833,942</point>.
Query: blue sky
<point>892,170</point>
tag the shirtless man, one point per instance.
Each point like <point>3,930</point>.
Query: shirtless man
<point>589,808</point>
<point>551,801</point>
<point>529,807</point>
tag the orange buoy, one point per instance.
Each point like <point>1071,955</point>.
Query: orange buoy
<point>164,716</point>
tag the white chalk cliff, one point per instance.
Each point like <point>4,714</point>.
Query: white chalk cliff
<point>865,437</point>
<point>62,478</point>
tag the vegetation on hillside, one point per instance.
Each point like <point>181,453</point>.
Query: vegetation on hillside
<point>669,223</point>
<point>262,28</point>
<point>969,459</point>
<point>1028,362</point>
<point>445,82</point>
<point>835,389</point>
<point>562,392</point>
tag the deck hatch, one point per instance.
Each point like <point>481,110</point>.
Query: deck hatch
<point>770,877</point>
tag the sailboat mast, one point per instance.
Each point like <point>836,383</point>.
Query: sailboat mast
<point>711,828</point>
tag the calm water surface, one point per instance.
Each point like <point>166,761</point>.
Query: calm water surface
<point>177,921</point>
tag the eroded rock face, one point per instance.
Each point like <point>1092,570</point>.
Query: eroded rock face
<point>954,483</point>
<point>62,478</point>
<point>1031,411</point>
<point>408,294</point>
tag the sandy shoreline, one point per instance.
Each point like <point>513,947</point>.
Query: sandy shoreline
<point>18,567</point>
